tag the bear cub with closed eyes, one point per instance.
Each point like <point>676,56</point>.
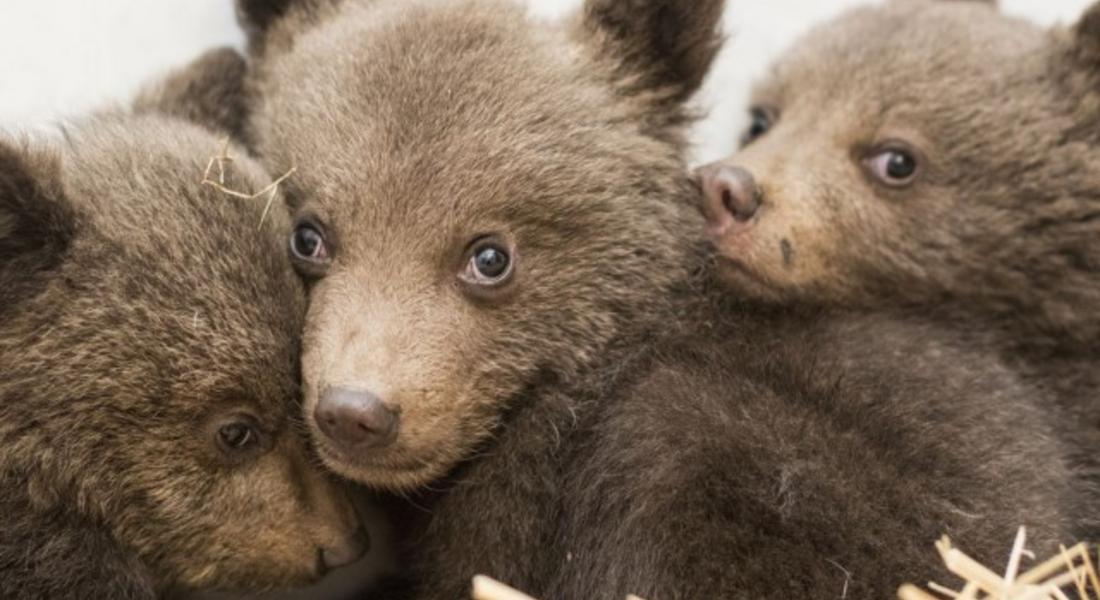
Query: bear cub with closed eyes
<point>937,157</point>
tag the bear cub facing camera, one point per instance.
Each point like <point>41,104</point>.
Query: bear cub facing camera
<point>936,156</point>
<point>506,327</point>
<point>149,437</point>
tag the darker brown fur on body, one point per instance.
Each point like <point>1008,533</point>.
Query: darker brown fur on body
<point>990,219</point>
<point>576,418</point>
<point>149,430</point>
<point>831,449</point>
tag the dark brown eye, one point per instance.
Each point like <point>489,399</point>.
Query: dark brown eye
<point>307,243</point>
<point>490,263</point>
<point>762,121</point>
<point>237,436</point>
<point>894,167</point>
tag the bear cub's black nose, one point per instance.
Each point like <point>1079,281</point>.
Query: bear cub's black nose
<point>355,418</point>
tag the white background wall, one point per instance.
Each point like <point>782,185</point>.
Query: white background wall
<point>63,57</point>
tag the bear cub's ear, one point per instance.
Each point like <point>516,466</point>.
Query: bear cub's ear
<point>661,46</point>
<point>1087,37</point>
<point>257,16</point>
<point>208,91</point>
<point>36,224</point>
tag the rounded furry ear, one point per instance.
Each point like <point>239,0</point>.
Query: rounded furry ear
<point>1086,37</point>
<point>258,16</point>
<point>664,47</point>
<point>208,91</point>
<point>36,225</point>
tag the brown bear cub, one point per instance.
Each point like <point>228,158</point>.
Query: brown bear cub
<point>149,431</point>
<point>506,326</point>
<point>935,156</point>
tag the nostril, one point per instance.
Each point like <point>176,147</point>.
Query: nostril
<point>727,202</point>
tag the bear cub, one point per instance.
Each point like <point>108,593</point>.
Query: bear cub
<point>930,156</point>
<point>506,327</point>
<point>149,431</point>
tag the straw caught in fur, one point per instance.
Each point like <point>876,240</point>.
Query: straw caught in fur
<point>220,161</point>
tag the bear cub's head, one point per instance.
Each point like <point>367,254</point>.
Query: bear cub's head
<point>486,203</point>
<point>919,152</point>
<point>149,341</point>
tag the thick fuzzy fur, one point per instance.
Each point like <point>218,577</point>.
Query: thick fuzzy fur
<point>141,310</point>
<point>1000,231</point>
<point>596,426</point>
<point>795,457</point>
<point>208,92</point>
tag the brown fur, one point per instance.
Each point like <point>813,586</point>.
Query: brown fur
<point>140,310</point>
<point>208,92</point>
<point>456,117</point>
<point>590,429</point>
<point>1000,230</point>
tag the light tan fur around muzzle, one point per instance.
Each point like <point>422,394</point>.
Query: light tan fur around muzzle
<point>401,348</point>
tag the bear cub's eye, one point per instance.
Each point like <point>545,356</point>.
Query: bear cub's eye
<point>895,167</point>
<point>238,435</point>
<point>307,243</point>
<point>762,121</point>
<point>490,262</point>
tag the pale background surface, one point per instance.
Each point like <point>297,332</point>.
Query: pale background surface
<point>62,57</point>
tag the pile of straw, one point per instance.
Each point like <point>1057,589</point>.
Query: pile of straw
<point>1071,573</point>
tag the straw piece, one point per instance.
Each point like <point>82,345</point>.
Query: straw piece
<point>1047,581</point>
<point>1090,570</point>
<point>968,568</point>
<point>1014,558</point>
<point>912,592</point>
<point>487,588</point>
<point>1079,578</point>
<point>942,589</point>
<point>1047,568</point>
<point>224,157</point>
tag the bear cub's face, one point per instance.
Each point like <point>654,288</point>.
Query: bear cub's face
<point>906,153</point>
<point>466,229</point>
<point>150,359</point>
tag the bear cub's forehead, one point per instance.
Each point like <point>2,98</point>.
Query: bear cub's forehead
<point>164,253</point>
<point>451,99</point>
<point>910,51</point>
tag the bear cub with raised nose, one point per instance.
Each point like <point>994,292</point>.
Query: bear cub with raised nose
<point>930,156</point>
<point>150,437</point>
